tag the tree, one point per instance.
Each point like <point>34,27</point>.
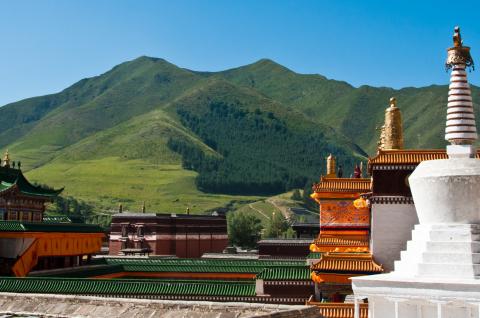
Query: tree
<point>308,202</point>
<point>290,233</point>
<point>296,196</point>
<point>244,229</point>
<point>277,227</point>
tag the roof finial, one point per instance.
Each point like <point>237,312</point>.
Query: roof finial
<point>457,38</point>
<point>331,173</point>
<point>6,160</point>
<point>393,102</point>
<point>143,207</point>
<point>458,54</point>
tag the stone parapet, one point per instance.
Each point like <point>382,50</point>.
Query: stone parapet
<point>98,307</point>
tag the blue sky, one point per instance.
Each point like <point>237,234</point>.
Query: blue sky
<point>48,45</point>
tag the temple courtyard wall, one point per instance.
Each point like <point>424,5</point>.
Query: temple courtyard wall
<point>392,225</point>
<point>98,307</point>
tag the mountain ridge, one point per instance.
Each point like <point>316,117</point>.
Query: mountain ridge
<point>256,129</point>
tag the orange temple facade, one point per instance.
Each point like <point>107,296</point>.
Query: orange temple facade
<point>343,227</point>
<point>343,241</point>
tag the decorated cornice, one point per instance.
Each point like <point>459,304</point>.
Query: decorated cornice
<point>342,185</point>
<point>404,159</point>
<point>391,200</point>
<point>347,262</point>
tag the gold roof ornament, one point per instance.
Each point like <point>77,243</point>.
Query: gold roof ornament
<point>6,160</point>
<point>391,136</point>
<point>458,54</point>
<point>331,169</point>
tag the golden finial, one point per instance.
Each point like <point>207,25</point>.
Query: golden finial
<point>6,160</point>
<point>391,136</point>
<point>331,173</point>
<point>458,54</point>
<point>457,38</point>
<point>393,102</point>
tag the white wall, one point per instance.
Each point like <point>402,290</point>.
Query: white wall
<point>14,247</point>
<point>409,308</point>
<point>391,228</point>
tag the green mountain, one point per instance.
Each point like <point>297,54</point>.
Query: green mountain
<point>150,131</point>
<point>354,112</point>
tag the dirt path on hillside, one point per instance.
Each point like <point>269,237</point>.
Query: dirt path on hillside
<point>283,209</point>
<point>250,205</point>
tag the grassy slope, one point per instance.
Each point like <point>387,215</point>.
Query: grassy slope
<point>107,182</point>
<point>263,209</point>
<point>92,105</point>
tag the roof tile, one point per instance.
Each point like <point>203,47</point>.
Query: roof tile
<point>347,262</point>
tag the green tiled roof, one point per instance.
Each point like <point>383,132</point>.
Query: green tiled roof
<point>192,269</point>
<point>200,265</point>
<point>11,226</point>
<point>81,272</point>
<point>18,226</point>
<point>57,219</point>
<point>203,262</point>
<point>285,273</point>
<point>10,177</point>
<point>126,287</point>
<point>264,269</point>
<point>314,255</point>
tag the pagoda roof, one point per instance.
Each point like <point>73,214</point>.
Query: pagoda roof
<point>407,156</point>
<point>19,226</point>
<point>341,241</point>
<point>11,179</point>
<point>347,262</point>
<point>342,185</point>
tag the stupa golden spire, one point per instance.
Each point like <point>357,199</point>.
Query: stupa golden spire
<point>391,136</point>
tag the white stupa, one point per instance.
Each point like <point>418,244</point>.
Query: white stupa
<point>439,273</point>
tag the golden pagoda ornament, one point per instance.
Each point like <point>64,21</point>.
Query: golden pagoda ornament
<point>392,131</point>
<point>6,160</point>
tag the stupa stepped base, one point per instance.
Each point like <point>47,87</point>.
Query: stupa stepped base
<point>394,296</point>
<point>450,251</point>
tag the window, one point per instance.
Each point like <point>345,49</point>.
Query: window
<point>124,230</point>
<point>12,216</point>
<point>37,217</point>
<point>140,231</point>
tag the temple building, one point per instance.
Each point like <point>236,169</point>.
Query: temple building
<point>182,235</point>
<point>19,199</point>
<point>29,240</point>
<point>342,246</point>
